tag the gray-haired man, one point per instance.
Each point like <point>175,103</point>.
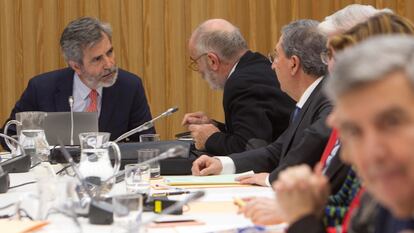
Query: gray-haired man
<point>256,110</point>
<point>373,88</point>
<point>92,78</point>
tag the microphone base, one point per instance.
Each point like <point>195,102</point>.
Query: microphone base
<point>56,155</point>
<point>4,182</point>
<point>17,164</point>
<point>99,216</point>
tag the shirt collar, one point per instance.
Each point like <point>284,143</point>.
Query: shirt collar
<point>82,89</point>
<point>307,93</point>
<point>233,69</point>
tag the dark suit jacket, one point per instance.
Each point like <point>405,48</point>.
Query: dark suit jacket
<point>302,142</point>
<point>124,105</point>
<point>336,172</point>
<point>255,108</point>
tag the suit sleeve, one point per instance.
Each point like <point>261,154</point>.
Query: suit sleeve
<point>311,145</point>
<point>264,159</point>
<point>249,106</point>
<point>308,224</point>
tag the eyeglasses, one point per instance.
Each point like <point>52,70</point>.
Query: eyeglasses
<point>272,56</point>
<point>193,64</point>
<point>327,55</point>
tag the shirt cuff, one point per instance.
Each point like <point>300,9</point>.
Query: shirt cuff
<point>267,182</point>
<point>228,165</point>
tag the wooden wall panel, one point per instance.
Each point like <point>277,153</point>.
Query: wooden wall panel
<point>150,39</point>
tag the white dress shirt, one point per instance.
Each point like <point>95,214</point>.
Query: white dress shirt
<point>227,162</point>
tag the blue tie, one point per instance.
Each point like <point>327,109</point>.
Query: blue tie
<point>295,114</point>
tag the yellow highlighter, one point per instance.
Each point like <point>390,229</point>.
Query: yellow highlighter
<point>239,202</point>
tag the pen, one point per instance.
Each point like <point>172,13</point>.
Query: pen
<point>239,202</point>
<point>170,193</point>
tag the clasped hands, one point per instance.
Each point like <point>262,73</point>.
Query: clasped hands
<point>200,126</point>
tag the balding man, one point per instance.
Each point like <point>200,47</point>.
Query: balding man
<point>256,110</point>
<point>300,72</point>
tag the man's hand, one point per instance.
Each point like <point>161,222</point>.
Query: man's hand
<point>195,118</point>
<point>206,165</point>
<point>301,192</point>
<point>201,133</point>
<point>258,179</point>
<point>261,211</point>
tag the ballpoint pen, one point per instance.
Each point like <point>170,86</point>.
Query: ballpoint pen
<point>170,193</point>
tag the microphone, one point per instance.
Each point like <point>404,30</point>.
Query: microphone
<point>178,205</point>
<point>146,125</point>
<point>170,153</point>
<point>71,119</point>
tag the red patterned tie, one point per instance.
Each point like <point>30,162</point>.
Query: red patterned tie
<point>93,104</point>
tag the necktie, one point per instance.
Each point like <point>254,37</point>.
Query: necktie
<point>295,114</point>
<point>330,146</point>
<point>93,104</point>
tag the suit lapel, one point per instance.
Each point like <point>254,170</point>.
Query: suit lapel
<point>295,125</point>
<point>64,90</point>
<point>109,100</point>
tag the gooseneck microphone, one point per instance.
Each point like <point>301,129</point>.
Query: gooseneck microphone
<point>146,125</point>
<point>71,119</point>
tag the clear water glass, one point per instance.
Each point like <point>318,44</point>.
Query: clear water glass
<point>147,154</point>
<point>127,213</point>
<point>137,178</point>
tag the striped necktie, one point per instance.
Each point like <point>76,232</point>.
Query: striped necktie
<point>93,104</point>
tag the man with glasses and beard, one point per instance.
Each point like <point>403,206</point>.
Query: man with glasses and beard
<point>256,110</point>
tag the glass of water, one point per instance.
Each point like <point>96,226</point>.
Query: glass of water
<point>149,137</point>
<point>137,178</point>
<point>147,154</point>
<point>127,213</point>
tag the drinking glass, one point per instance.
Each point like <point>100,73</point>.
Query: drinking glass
<point>149,137</point>
<point>147,154</point>
<point>127,213</point>
<point>137,178</point>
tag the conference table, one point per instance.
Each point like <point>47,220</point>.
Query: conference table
<point>214,212</point>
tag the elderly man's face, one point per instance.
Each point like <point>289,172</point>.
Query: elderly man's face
<point>98,68</point>
<point>376,124</point>
<point>199,63</point>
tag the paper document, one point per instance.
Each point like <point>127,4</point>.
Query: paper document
<point>204,180</point>
<point>17,226</point>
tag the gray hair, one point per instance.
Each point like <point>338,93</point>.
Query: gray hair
<point>226,42</point>
<point>347,17</point>
<point>302,39</point>
<point>80,34</point>
<point>370,61</point>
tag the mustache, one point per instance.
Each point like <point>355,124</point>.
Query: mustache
<point>111,70</point>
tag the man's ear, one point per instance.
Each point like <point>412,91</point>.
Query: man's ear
<point>75,66</point>
<point>294,64</point>
<point>213,61</point>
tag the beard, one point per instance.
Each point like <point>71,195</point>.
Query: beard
<point>105,79</point>
<point>211,79</point>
